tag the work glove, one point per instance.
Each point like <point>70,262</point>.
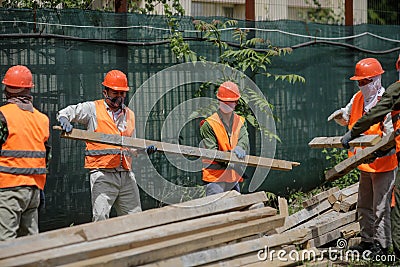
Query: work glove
<point>382,153</point>
<point>151,149</point>
<point>239,151</point>
<point>65,124</point>
<point>346,139</point>
<point>339,118</point>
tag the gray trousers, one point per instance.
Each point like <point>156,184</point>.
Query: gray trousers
<point>219,187</point>
<point>19,212</point>
<point>110,187</point>
<point>373,206</point>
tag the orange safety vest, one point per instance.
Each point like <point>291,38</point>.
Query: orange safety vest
<point>212,172</point>
<point>23,155</point>
<point>108,156</point>
<point>382,164</point>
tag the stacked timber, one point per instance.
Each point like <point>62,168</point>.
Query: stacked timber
<point>228,229</point>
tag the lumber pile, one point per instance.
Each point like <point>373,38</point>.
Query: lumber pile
<point>228,229</point>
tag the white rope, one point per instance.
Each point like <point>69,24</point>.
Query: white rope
<point>196,31</point>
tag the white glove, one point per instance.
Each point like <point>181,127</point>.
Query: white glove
<point>338,116</point>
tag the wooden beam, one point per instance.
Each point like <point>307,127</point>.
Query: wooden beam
<point>349,203</point>
<point>348,12</point>
<point>283,206</point>
<point>328,237</point>
<point>130,142</point>
<point>182,245</point>
<point>123,224</point>
<point>86,250</point>
<point>364,155</point>
<point>319,197</point>
<point>334,141</point>
<point>348,191</point>
<point>232,250</point>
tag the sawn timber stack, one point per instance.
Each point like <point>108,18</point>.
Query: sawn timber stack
<point>130,142</point>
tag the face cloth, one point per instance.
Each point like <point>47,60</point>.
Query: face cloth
<point>227,107</point>
<point>23,100</point>
<point>371,92</point>
<point>116,102</point>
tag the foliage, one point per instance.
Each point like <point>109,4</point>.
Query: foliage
<point>320,14</point>
<point>246,57</point>
<point>334,156</point>
<point>81,4</point>
<point>384,12</point>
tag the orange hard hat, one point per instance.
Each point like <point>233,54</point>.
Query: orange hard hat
<point>367,68</point>
<point>19,77</point>
<point>228,91</point>
<point>398,64</point>
<point>116,80</point>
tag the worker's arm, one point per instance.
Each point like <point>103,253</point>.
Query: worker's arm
<point>83,113</point>
<point>390,101</point>
<point>243,140</point>
<point>209,140</point>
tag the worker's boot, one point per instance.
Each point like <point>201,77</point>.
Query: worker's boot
<point>362,246</point>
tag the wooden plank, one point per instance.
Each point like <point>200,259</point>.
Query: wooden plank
<point>231,251</point>
<point>351,230</point>
<point>119,225</point>
<point>349,164</point>
<point>182,245</point>
<point>283,206</point>
<point>349,203</point>
<point>336,206</point>
<point>334,141</point>
<point>334,197</point>
<point>348,191</point>
<point>306,214</point>
<point>328,237</point>
<point>319,197</point>
<point>130,142</point>
<point>90,249</point>
<point>326,223</point>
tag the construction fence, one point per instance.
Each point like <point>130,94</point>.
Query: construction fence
<point>69,52</point>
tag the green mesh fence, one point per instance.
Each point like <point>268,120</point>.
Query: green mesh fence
<point>69,52</point>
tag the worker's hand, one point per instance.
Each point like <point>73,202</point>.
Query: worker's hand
<point>151,149</point>
<point>346,139</point>
<point>65,124</point>
<point>336,115</point>
<point>239,151</point>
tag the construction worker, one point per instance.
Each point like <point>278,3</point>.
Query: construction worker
<point>24,132</point>
<point>112,181</point>
<point>390,102</point>
<point>226,131</point>
<point>377,177</point>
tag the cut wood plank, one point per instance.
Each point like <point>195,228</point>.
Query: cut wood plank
<point>230,251</point>
<point>349,203</point>
<point>118,140</point>
<point>334,197</point>
<point>115,226</point>
<point>327,223</point>
<point>328,237</point>
<point>354,241</point>
<point>182,245</point>
<point>350,231</point>
<point>336,206</point>
<point>349,164</point>
<point>283,206</point>
<point>334,141</point>
<point>306,214</point>
<point>319,197</point>
<point>348,191</point>
<point>87,250</point>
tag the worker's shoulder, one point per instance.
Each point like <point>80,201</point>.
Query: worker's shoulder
<point>394,88</point>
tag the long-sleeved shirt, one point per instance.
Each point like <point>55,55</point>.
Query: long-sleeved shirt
<point>85,114</point>
<point>390,101</point>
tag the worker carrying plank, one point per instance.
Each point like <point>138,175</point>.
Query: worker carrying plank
<point>390,102</point>
<point>225,131</point>
<point>377,177</point>
<point>25,153</point>
<point>112,181</point>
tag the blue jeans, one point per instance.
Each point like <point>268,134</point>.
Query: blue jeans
<point>219,187</point>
